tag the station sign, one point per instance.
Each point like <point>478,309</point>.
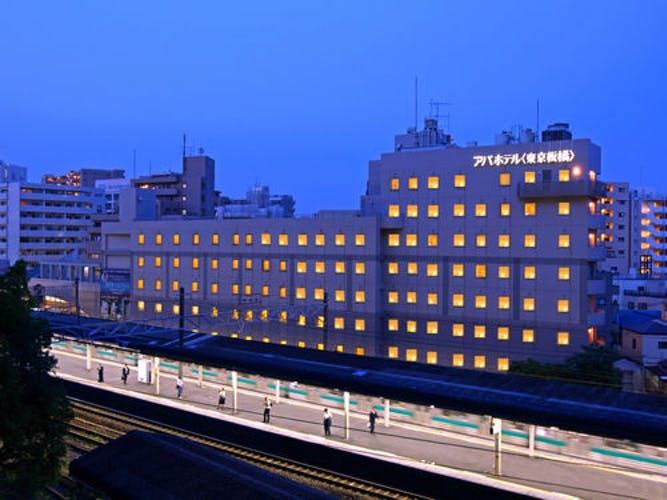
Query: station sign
<point>531,158</point>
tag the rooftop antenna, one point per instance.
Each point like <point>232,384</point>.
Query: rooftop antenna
<point>184,137</point>
<point>134,163</point>
<point>416,102</point>
<point>435,111</point>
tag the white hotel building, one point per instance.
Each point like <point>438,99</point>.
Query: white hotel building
<point>461,256</point>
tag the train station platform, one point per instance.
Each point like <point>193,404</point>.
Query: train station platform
<point>543,475</point>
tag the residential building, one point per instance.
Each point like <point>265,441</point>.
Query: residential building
<point>257,203</point>
<point>86,177</point>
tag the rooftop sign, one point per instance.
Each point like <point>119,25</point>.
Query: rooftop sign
<point>538,158</point>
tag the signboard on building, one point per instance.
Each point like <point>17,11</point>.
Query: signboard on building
<point>531,158</point>
<point>115,283</point>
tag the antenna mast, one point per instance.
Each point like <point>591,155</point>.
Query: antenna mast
<point>537,124</point>
<point>416,102</point>
<point>435,111</point>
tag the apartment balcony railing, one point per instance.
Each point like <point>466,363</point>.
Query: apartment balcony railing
<point>555,189</point>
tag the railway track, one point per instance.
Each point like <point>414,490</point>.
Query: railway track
<point>93,426</point>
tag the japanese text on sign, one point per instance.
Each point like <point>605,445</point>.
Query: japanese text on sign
<point>541,157</point>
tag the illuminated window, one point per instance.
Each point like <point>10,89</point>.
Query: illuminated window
<point>394,211</point>
<point>282,317</point>
<point>529,303</point>
<point>504,179</point>
<point>412,268</point>
<point>360,296</point>
<point>302,240</point>
<point>480,361</point>
<point>457,329</point>
<point>503,364</point>
<point>392,267</point>
<point>247,289</point>
<point>564,273</point>
<point>266,265</point>
<point>282,266</point>
<point>431,270</point>
<point>529,240</point>
<point>459,210</point>
<point>300,293</point>
<point>235,289</point>
<point>235,239</point>
<point>503,302</point>
<point>360,240</point>
<point>411,355</point>
<point>393,239</point>
<point>392,352</point>
<point>411,297</point>
<point>158,284</point>
<point>175,286</point>
<point>504,209</point>
<point>457,300</point>
<point>195,238</point>
<point>529,209</point>
<point>339,323</point>
<point>195,262</point>
<point>432,299</point>
<point>320,267</point>
<point>528,335</point>
<point>392,297</point>
<point>176,239</point>
<point>460,180</point>
<point>140,284</point>
<point>214,288</point>
<point>339,295</point>
<point>503,272</point>
<point>563,240</point>
<point>283,240</point>
<point>282,292</point>
<point>480,270</point>
<point>301,267</point>
<point>194,286</point>
<point>214,313</point>
<point>563,338</point>
<point>140,262</point>
<point>157,308</point>
<point>431,357</point>
<point>432,240</point>
<point>215,239</point>
<point>214,263</point>
<point>457,360</point>
<point>141,239</point>
<point>360,268</point>
<point>360,325</point>
<point>340,267</point>
<point>141,305</point>
<point>480,240</point>
<point>564,175</point>
<point>339,240</point>
<point>433,182</point>
<point>480,209</point>
<point>392,325</point>
<point>457,270</point>
<point>412,211</point>
<point>459,240</point>
<point>411,326</point>
<point>265,239</point>
<point>248,239</point>
<point>265,290</point>
<point>320,240</point>
<point>563,305</point>
<point>480,331</point>
<point>480,301</point>
<point>394,184</point>
<point>318,294</point>
<point>503,241</point>
<point>503,333</point>
<point>529,272</point>
<point>564,208</point>
<point>529,177</point>
<point>434,211</point>
<point>301,320</point>
<point>158,239</point>
<point>432,327</point>
<point>413,183</point>
<point>411,240</point>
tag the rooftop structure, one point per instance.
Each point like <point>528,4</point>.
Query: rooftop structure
<point>86,177</point>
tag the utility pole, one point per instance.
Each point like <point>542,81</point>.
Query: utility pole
<point>181,324</point>
<point>325,322</point>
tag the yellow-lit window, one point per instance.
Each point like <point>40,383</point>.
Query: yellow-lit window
<point>411,240</point>
<point>529,272</point>
<point>248,264</point>
<point>457,360</point>
<point>480,301</point>
<point>432,240</point>
<point>339,295</point>
<point>266,238</point>
<point>302,239</point>
<point>529,209</point>
<point>320,267</point>
<point>214,263</point>
<point>503,364</point>
<point>460,180</point>
<point>320,240</point>
<point>433,211</point>
<point>459,210</point>
<point>195,262</point>
<point>175,285</point>
<point>564,175</point>
<point>480,240</point>
<point>339,240</point>
<point>176,239</point>
<point>265,290</point>
<point>457,329</point>
<point>432,327</point>
<point>480,361</point>
<point>411,355</point>
<point>503,332</point>
<point>141,239</point>
<point>195,238</point>
<point>282,266</point>
<point>529,177</point>
<point>503,272</point>
<point>529,240</point>
<point>235,264</point>
<point>392,297</point>
<point>412,268</point>
<point>266,265</point>
<point>140,284</point>
<point>393,239</point>
<point>158,239</point>
<point>318,294</point>
<point>214,288</point>
<point>413,183</point>
<point>392,352</point>
<point>140,262</point>
<point>194,286</point>
<point>411,326</point>
<point>459,240</point>
<point>563,338</point>
<point>431,270</point>
<point>339,323</point>
<point>412,211</point>
<point>480,209</point>
<point>394,184</point>
<point>176,262</point>
<point>563,241</point>
<point>529,303</point>
<point>503,241</point>
<point>457,300</point>
<point>283,240</point>
<point>301,293</point>
<point>392,325</point>
<point>564,208</point>
<point>235,289</point>
<point>394,211</point>
<point>433,182</point>
<point>504,209</point>
<point>282,317</point>
<point>432,299</point>
<point>301,343</point>
<point>360,240</point>
<point>480,270</point>
<point>235,239</point>
<point>360,268</point>
<point>157,308</point>
<point>504,179</point>
<point>301,267</point>
<point>564,273</point>
<point>248,239</point>
<point>479,331</point>
<point>215,239</point>
<point>282,292</point>
<point>247,290</point>
<point>528,335</point>
<point>158,284</point>
<point>215,312</point>
<point>360,296</point>
<point>340,267</point>
<point>392,267</point>
<point>360,325</point>
<point>141,305</point>
<point>503,302</point>
<point>301,320</point>
<point>563,305</point>
<point>264,315</point>
<point>411,297</point>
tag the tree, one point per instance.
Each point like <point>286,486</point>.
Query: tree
<point>34,410</point>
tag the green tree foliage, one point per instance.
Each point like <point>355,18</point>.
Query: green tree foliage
<point>34,411</point>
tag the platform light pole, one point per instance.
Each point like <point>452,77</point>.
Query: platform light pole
<point>181,325</point>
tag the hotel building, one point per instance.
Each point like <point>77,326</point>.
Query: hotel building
<point>462,256</point>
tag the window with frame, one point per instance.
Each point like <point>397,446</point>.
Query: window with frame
<point>503,302</point>
<point>412,268</point>
<point>175,309</point>
<point>529,272</point>
<point>194,286</point>
<point>235,239</point>
<point>360,240</point>
<point>503,332</point>
<point>563,241</point>
<point>339,323</point>
<point>320,240</point>
<point>529,209</point>
<point>431,357</point>
<point>176,239</point>
<point>175,285</point>
<point>360,297</point>
<point>282,266</point>
<point>247,289</point>
<point>157,308</point>
<point>563,305</point>
<point>158,284</point>
<point>432,240</point>
<point>413,183</point>
<point>432,270</point>
<point>528,335</point>
<point>480,361</point>
<point>215,263</point>
<point>503,241</point>
<point>503,272</point>
<point>480,301</point>
<point>300,293</point>
<point>195,262</point>
<point>480,240</point>
<point>339,295</point>
<point>140,284</point>
<point>480,271</point>
<point>359,268</point>
<point>457,300</point>
<point>411,326</point>
<point>301,267</point>
<point>157,261</point>
<point>457,360</point>
<point>318,294</point>
<point>393,239</point>
<point>265,290</point>
<point>215,239</point>
<point>459,239</point>
<point>340,267</point>
<point>320,267</point>
<point>141,305</point>
<point>412,211</point>
<point>563,208</point>
<point>529,240</point>
<point>431,327</point>
<point>283,240</point>
<point>392,297</point>
<point>394,184</point>
<point>140,262</point>
<point>248,239</point>
<point>432,299</point>
<point>457,329</point>
<point>158,239</point>
<point>504,179</point>
<point>360,325</point>
<point>433,182</point>
<point>195,238</point>
<point>141,239</point>
<point>433,211</point>
<point>479,331</point>
<point>564,175</point>
<point>563,338</point>
<point>480,209</point>
<point>266,265</point>
<point>339,240</point>
<point>392,324</point>
<point>411,297</point>
<point>504,209</point>
<point>564,273</point>
<point>529,303</point>
<point>459,180</point>
<point>265,239</point>
<point>392,352</point>
<point>282,292</point>
<point>248,264</point>
<point>457,270</point>
<point>503,364</point>
<point>411,240</point>
<point>529,177</point>
<point>458,210</point>
<point>392,267</point>
<point>302,240</point>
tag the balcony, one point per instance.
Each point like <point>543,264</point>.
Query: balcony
<point>555,189</point>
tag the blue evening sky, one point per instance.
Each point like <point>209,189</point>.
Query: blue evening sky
<point>300,95</point>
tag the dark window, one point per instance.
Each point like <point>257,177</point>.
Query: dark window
<point>634,343</point>
<point>662,345</point>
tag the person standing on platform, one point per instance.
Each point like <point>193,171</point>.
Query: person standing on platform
<point>179,387</point>
<point>267,410</point>
<point>372,416</point>
<point>327,422</point>
<point>222,398</point>
<point>125,373</point>
<point>100,373</point>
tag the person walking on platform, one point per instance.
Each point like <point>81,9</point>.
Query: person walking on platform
<point>222,398</point>
<point>100,373</point>
<point>372,416</point>
<point>267,410</point>
<point>327,422</point>
<point>125,373</point>
<point>179,387</point>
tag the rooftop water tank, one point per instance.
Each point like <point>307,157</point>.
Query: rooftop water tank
<point>504,137</point>
<point>527,135</point>
<point>557,132</point>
